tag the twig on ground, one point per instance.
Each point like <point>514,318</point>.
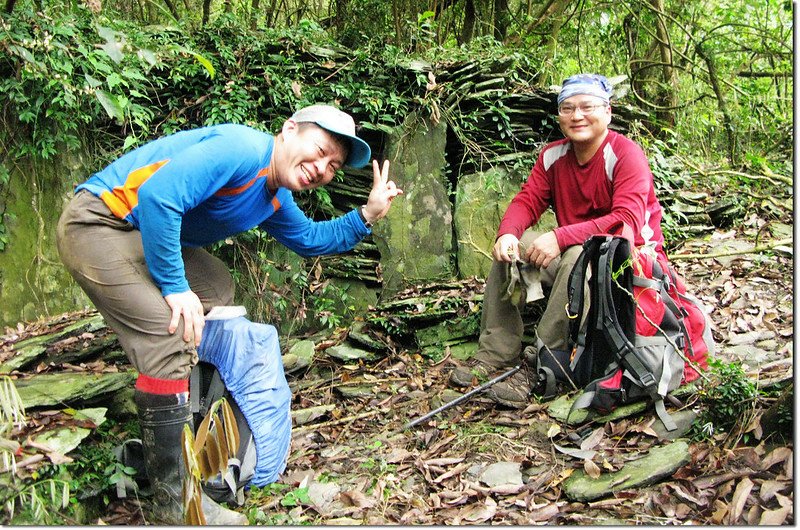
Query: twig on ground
<point>755,250</point>
<point>317,426</point>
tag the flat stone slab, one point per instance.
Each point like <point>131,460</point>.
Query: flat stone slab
<point>683,420</point>
<point>501,474</point>
<point>358,335</point>
<point>560,408</point>
<point>48,390</point>
<point>659,463</point>
<point>29,351</point>
<point>307,415</point>
<point>66,439</point>
<point>299,356</point>
<point>360,391</point>
<point>346,353</point>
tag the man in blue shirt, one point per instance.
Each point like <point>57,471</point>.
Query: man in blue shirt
<point>132,238</point>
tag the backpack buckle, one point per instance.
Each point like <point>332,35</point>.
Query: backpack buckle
<point>648,380</point>
<point>569,315</point>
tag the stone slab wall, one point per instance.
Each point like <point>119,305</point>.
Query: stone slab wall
<point>415,239</point>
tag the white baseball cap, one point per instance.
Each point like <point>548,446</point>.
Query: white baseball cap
<point>334,120</point>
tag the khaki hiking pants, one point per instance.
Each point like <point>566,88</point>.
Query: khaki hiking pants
<point>105,256</point>
<point>500,341</point>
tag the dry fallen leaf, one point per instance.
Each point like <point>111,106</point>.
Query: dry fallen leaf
<point>769,488</point>
<point>591,469</point>
<point>774,517</point>
<point>480,512</point>
<point>575,453</point>
<point>594,439</point>
<point>739,499</point>
<point>357,499</point>
<point>297,89</point>
<point>720,509</point>
<point>778,455</point>
<point>754,514</point>
<point>554,429</point>
<point>543,514</point>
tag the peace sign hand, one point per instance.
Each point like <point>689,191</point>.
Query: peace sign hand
<point>382,193</point>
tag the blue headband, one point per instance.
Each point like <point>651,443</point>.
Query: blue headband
<point>588,84</point>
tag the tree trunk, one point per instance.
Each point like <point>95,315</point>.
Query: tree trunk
<point>206,12</point>
<point>271,13</point>
<point>172,9</point>
<point>397,16</point>
<point>552,10</point>
<point>721,102</point>
<point>340,16</point>
<point>501,19</point>
<point>468,28</point>
<point>667,93</point>
<point>10,5</point>
<point>631,36</point>
<point>254,8</point>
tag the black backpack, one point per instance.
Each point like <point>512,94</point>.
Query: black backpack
<point>205,389</point>
<point>609,359</point>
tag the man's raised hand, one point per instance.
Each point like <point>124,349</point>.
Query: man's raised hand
<point>382,193</point>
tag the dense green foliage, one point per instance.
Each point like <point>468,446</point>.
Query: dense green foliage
<point>72,80</point>
<point>714,75</point>
<point>728,401</point>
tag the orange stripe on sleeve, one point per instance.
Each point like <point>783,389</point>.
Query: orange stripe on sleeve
<point>123,199</point>
<point>226,192</point>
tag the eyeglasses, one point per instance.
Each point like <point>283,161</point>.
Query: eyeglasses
<point>585,108</point>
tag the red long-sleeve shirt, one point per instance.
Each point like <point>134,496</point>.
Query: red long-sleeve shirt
<point>615,186</point>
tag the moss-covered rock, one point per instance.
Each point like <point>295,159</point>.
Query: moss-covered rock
<point>659,463</point>
<point>481,200</point>
<point>33,282</point>
<point>415,239</point>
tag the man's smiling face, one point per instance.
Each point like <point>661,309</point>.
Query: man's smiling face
<point>585,127</point>
<point>306,157</point>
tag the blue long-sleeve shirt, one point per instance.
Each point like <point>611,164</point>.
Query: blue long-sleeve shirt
<point>197,187</point>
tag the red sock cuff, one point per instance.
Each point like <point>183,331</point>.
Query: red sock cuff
<point>152,385</point>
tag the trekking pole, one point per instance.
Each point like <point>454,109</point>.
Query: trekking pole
<point>462,398</point>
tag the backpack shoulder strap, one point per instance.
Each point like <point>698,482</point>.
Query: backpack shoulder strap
<point>577,281</point>
<point>607,316</point>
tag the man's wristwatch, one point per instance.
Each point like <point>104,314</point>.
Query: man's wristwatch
<point>364,217</point>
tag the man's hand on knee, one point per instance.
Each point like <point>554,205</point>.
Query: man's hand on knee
<point>543,250</point>
<point>188,305</point>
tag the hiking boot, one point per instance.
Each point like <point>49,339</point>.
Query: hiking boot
<point>161,418</point>
<point>513,391</point>
<point>472,372</point>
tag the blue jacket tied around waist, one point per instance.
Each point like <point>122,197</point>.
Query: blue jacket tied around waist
<point>248,358</point>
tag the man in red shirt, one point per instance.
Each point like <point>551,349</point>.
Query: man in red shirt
<point>595,179</point>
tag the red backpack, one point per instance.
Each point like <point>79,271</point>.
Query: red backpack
<point>644,335</point>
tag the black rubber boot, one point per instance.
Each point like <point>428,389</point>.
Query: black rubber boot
<point>162,417</point>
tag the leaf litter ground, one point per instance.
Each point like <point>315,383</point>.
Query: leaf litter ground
<point>355,464</point>
<point>352,463</point>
